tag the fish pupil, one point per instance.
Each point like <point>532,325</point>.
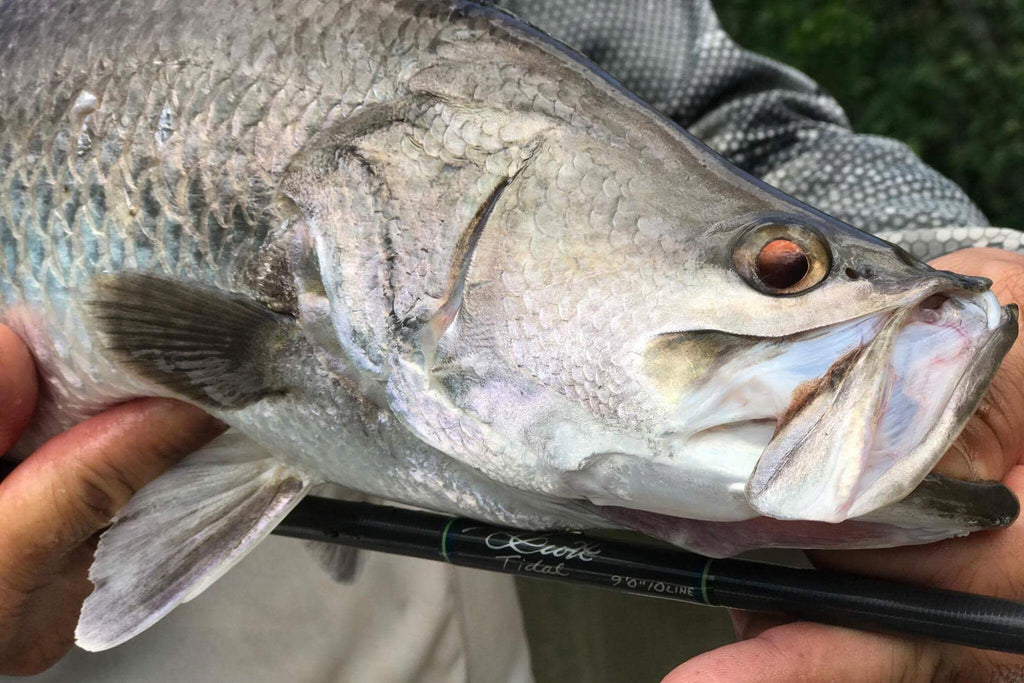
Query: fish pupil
<point>782,264</point>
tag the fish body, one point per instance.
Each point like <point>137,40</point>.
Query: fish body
<point>164,152</point>
<point>425,252</point>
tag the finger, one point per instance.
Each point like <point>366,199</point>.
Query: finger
<point>74,484</point>
<point>17,388</point>
<point>803,651</point>
<point>989,262</point>
<point>752,624</point>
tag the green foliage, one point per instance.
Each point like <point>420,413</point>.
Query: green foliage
<point>944,76</point>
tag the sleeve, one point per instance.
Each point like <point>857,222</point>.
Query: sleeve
<point>767,118</point>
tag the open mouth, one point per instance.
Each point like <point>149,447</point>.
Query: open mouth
<point>868,432</point>
<point>790,437</point>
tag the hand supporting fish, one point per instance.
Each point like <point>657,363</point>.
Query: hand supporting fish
<point>46,540</point>
<point>460,268</point>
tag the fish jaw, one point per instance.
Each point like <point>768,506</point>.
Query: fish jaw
<point>871,440</point>
<point>963,400</point>
<point>939,508</point>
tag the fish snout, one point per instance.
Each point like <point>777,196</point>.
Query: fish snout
<point>970,283</point>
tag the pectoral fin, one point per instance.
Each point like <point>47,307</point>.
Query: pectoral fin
<point>180,533</point>
<point>212,347</point>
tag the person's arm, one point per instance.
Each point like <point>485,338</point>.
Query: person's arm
<point>56,500</point>
<point>765,117</point>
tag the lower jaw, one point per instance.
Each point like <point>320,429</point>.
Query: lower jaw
<point>939,508</point>
<point>968,390</point>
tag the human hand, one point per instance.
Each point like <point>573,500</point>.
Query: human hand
<point>773,648</point>
<point>55,502</point>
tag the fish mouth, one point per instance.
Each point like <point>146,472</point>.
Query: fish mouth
<point>835,428</point>
<point>868,432</point>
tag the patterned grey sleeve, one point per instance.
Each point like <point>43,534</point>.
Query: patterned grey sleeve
<point>929,243</point>
<point>766,117</point>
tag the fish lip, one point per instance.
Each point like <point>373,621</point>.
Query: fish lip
<point>935,506</point>
<point>992,330</point>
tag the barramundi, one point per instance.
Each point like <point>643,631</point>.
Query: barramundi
<point>420,250</point>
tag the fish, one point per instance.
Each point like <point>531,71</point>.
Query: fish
<point>422,251</point>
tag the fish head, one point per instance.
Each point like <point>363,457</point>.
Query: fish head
<point>583,302</point>
<point>846,413</point>
<point>665,342</point>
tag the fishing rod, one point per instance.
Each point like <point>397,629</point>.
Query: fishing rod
<point>674,574</point>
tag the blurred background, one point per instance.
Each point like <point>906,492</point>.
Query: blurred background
<point>945,77</point>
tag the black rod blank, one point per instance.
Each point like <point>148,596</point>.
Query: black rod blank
<point>826,597</point>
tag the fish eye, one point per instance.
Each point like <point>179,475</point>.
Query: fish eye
<point>781,264</point>
<point>782,259</point>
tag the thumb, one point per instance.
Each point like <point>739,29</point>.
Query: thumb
<point>71,487</point>
<point>802,651</point>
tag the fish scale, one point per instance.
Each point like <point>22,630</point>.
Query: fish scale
<point>205,180</point>
<point>196,205</point>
